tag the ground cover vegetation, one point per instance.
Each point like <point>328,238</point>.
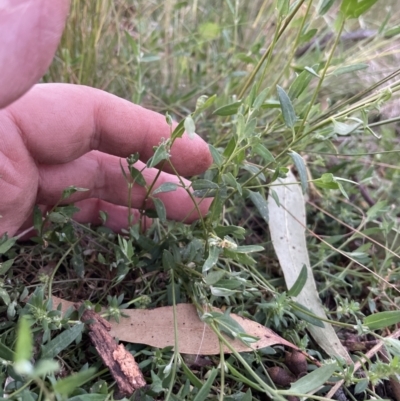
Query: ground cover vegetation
<point>282,90</point>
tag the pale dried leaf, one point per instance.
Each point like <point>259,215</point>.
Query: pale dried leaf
<point>287,227</point>
<point>155,327</point>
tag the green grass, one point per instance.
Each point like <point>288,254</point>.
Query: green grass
<point>164,56</point>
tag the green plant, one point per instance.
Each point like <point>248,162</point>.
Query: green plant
<point>233,73</point>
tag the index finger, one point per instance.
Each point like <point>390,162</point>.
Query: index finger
<point>61,122</point>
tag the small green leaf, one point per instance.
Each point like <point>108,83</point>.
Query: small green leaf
<point>209,31</point>
<point>393,344</point>
<point>393,31</point>
<point>168,260</point>
<point>160,209</point>
<point>248,249</point>
<point>324,6</point>
<point>274,196</point>
<point>230,283</point>
<point>203,103</point>
<point>156,383</point>
<point>133,44</point>
<point>262,151</point>
<point>289,115</point>
<point>6,353</point>
<point>206,388</point>
<point>382,320</point>
<point>236,231</point>
<point>299,283</point>
<point>341,189</point>
<point>377,210</point>
<point>160,154</point>
<point>301,168</point>
<point>248,396</point>
<point>132,158</point>
<point>312,71</point>
<point>301,82</point>
<point>6,244</point>
<point>245,58</point>
<point>283,7</point>
<point>137,176</point>
<point>225,322</point>
<point>205,193</point>
<point>260,203</point>
<point>355,8</point>
<point>228,110</point>
<point>250,128</point>
<point>326,181</point>
<point>255,171</point>
<point>71,190</point>
<point>166,187</point>
<point>271,104</point>
<point>217,158</point>
<point>150,58</point>
<point>343,128</point>
<point>361,386</point>
<point>349,68</point>
<point>168,119</point>
<point>314,379</point>
<point>189,125</point>
<point>231,145</point>
<point>88,397</point>
<point>260,99</point>
<point>307,36</point>
<point>70,383</point>
<point>62,341</point>
<point>212,259</point>
<point>221,292</point>
<point>68,210</point>
<point>213,277</point>
<point>204,184</point>
<point>179,130</point>
<point>59,218</point>
<point>37,219</point>
<point>250,99</point>
<point>23,347</point>
<point>5,266</point>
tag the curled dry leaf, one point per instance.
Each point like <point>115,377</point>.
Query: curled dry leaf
<point>155,327</point>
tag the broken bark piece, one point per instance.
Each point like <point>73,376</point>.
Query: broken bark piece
<point>121,363</point>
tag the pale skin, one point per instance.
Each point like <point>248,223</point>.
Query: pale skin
<point>53,136</point>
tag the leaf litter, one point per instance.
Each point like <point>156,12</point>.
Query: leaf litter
<point>155,327</point>
<point>287,224</point>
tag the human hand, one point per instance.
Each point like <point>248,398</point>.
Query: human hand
<point>48,137</point>
<point>58,135</point>
<point>29,34</point>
